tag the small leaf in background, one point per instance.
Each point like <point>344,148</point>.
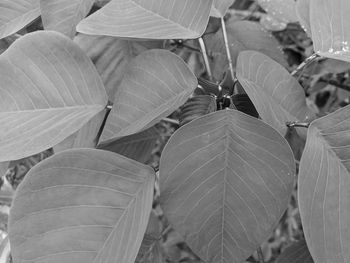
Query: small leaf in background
<point>220,7</point>
<point>271,23</point>
<point>168,19</point>
<point>303,14</point>
<point>277,95</point>
<point>296,253</point>
<point>225,181</point>
<point>137,146</point>
<point>16,14</point>
<point>81,206</point>
<point>283,10</point>
<point>111,56</point>
<point>155,84</point>
<point>323,188</point>
<point>64,15</point>
<point>330,28</point>
<point>48,90</point>
<point>243,103</point>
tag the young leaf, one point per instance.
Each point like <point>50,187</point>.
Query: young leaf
<point>303,14</point>
<point>16,14</point>
<point>330,28</point>
<point>277,96</point>
<point>283,10</point>
<point>81,206</point>
<point>48,90</point>
<point>64,15</point>
<point>166,19</point>
<point>296,253</point>
<point>225,181</point>
<point>155,84</point>
<point>323,188</point>
<point>220,7</point>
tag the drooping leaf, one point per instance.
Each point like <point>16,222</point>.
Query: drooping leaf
<point>330,28</point>
<point>220,7</point>
<point>111,56</point>
<point>166,19</point>
<point>16,14</point>
<point>323,188</point>
<point>155,84</point>
<point>225,181</point>
<point>48,90</point>
<point>283,10</point>
<point>64,15</point>
<point>137,146</point>
<point>81,206</point>
<point>277,96</point>
<point>303,14</point>
<point>296,253</point>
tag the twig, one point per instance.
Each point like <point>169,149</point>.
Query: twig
<point>293,124</point>
<point>260,255</point>
<point>336,83</point>
<point>304,64</point>
<point>172,121</point>
<point>228,53</point>
<point>205,57</point>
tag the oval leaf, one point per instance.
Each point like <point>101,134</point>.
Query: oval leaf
<point>277,95</point>
<point>81,206</point>
<point>16,14</point>
<point>48,90</point>
<point>155,84</point>
<point>220,7</point>
<point>168,19</point>
<point>225,181</point>
<point>323,188</point>
<point>296,253</point>
<point>64,15</point>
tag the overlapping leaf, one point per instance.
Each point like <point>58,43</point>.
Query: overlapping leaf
<point>323,188</point>
<point>48,90</point>
<point>277,96</point>
<point>165,19</point>
<point>220,7</point>
<point>283,10</point>
<point>296,253</point>
<point>225,180</point>
<point>16,14</point>
<point>330,28</point>
<point>64,15</point>
<point>155,84</point>
<point>303,14</point>
<point>81,206</point>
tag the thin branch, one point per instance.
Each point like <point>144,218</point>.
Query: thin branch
<point>293,124</point>
<point>172,121</point>
<point>336,83</point>
<point>304,64</point>
<point>228,53</point>
<point>205,57</point>
<point>260,255</point>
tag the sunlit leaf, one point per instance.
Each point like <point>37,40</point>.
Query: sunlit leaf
<point>167,19</point>
<point>323,188</point>
<point>155,84</point>
<point>64,15</point>
<point>296,253</point>
<point>225,181</point>
<point>48,90</point>
<point>81,206</point>
<point>283,10</point>
<point>303,14</point>
<point>220,7</point>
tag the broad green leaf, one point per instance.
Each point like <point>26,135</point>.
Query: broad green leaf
<point>296,253</point>
<point>220,7</point>
<point>323,188</point>
<point>277,96</point>
<point>155,84</point>
<point>81,206</point>
<point>64,15</point>
<point>48,90</point>
<point>225,181</point>
<point>330,28</point>
<point>137,146</point>
<point>16,14</point>
<point>303,14</point>
<point>111,56</point>
<point>283,10</point>
<point>166,19</point>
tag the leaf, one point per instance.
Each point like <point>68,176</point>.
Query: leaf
<point>5,250</point>
<point>85,137</point>
<point>155,84</point>
<point>16,14</point>
<point>283,10</point>
<point>303,14</point>
<point>166,19</point>
<point>138,147</point>
<point>330,28</point>
<point>64,15</point>
<point>277,96</point>
<point>225,181</point>
<point>323,188</point>
<point>81,206</point>
<point>220,7</point>
<point>3,168</point>
<point>48,90</point>
<point>111,56</point>
<point>296,253</point>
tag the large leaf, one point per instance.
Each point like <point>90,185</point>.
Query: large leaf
<point>225,181</point>
<point>324,183</point>
<point>64,15</point>
<point>16,14</point>
<point>330,28</point>
<point>81,206</point>
<point>283,10</point>
<point>111,56</point>
<point>166,19</point>
<point>48,90</point>
<point>220,7</point>
<point>303,14</point>
<point>155,84</point>
<point>296,253</point>
<point>277,96</point>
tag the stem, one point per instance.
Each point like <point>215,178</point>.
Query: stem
<point>205,57</point>
<point>293,124</point>
<point>228,53</point>
<point>172,121</point>
<point>304,64</point>
<point>260,255</point>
